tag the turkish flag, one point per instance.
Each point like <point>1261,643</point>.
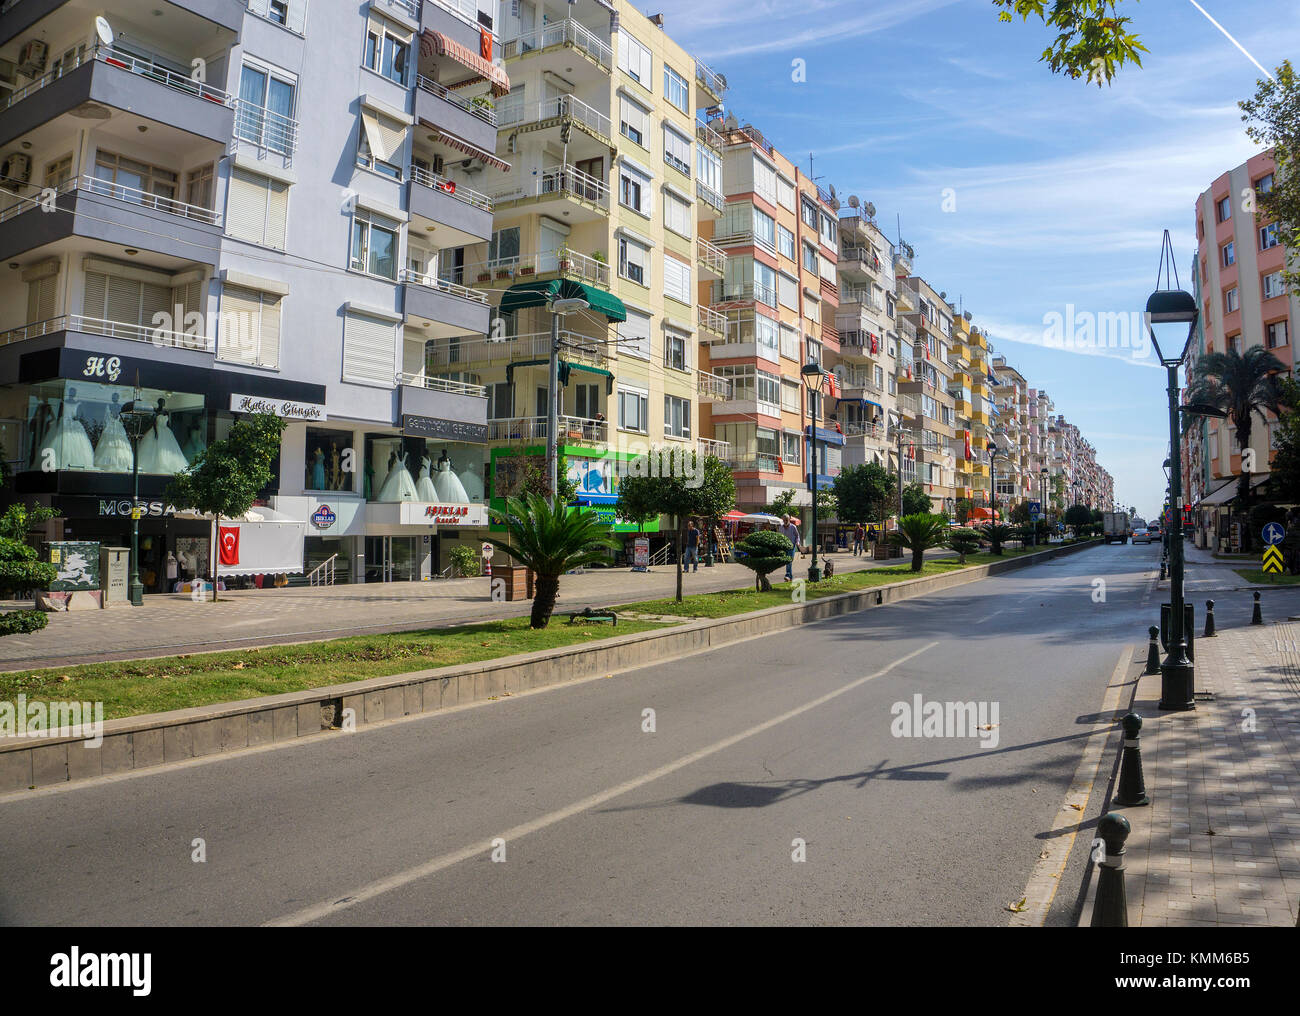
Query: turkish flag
<point>228,545</point>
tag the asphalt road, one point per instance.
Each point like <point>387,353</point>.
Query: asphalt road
<point>756,745</point>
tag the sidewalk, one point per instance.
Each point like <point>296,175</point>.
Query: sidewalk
<point>1219,844</point>
<point>169,624</point>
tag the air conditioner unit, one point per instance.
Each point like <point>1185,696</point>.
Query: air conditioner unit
<point>16,170</point>
<point>8,73</point>
<point>32,57</point>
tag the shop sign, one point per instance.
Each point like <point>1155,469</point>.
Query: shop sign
<point>284,408</point>
<point>151,509</point>
<point>424,514</point>
<point>444,430</point>
<point>641,553</point>
<point>323,517</point>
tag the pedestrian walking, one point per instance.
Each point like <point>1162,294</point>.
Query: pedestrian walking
<point>859,535</point>
<point>791,532</point>
<point>692,547</point>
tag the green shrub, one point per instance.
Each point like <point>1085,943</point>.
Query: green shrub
<point>464,561</point>
<point>762,553</point>
<point>20,622</point>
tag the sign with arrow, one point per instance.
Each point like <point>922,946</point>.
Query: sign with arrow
<point>1273,534</point>
<point>1272,560</point>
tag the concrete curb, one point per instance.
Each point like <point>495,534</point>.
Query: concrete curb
<point>139,742</point>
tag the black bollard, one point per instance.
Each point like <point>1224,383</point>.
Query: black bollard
<point>1132,786</point>
<point>1209,620</point>
<point>1257,616</point>
<point>1162,569</point>
<point>1110,910</point>
<point>1153,652</point>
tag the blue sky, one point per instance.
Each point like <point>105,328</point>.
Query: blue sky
<point>1061,190</point>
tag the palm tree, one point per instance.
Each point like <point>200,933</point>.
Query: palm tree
<point>997,533</point>
<point>964,541</point>
<point>550,540</point>
<point>919,533</point>
<point>1241,384</point>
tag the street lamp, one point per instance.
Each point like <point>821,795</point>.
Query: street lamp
<point>896,421</point>
<point>814,378</point>
<point>136,416</point>
<point>1042,500</point>
<point>559,308</point>
<point>994,451</point>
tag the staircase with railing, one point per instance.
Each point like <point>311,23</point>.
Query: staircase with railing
<point>323,573</point>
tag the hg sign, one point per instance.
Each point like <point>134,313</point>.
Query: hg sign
<point>103,366</point>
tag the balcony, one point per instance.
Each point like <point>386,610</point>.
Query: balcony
<point>861,344</point>
<point>565,264</point>
<point>20,15</point>
<point>556,112</point>
<point>711,259</point>
<point>581,197</point>
<point>860,261</point>
<point>443,308</point>
<point>265,131</point>
<point>709,138</point>
<point>720,450</point>
<point>465,352</point>
<point>902,255</point>
<point>714,323</point>
<point>420,395</point>
<point>463,215</point>
<point>872,299</point>
<point>713,386</point>
<point>741,292</point>
<point>711,83</point>
<point>536,428</point>
<point>107,77</point>
<point>568,34</point>
<point>713,201</point>
<point>114,213</point>
<point>759,463</point>
<point>858,381</point>
<point>472,120</point>
<point>871,430</point>
<point>158,338</point>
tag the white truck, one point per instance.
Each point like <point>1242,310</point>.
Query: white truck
<point>1115,527</point>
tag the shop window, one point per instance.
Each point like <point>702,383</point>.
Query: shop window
<point>330,460</point>
<point>399,468</point>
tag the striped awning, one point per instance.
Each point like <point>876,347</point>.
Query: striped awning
<point>432,43</point>
<point>461,145</point>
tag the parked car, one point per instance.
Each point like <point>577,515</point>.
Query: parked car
<point>1144,536</point>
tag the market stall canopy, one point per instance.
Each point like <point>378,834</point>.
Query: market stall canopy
<point>760,517</point>
<point>732,516</point>
<point>540,293</point>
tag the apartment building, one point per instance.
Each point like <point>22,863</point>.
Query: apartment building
<point>1238,284</point>
<point>234,204</point>
<point>930,383</point>
<point>603,200</point>
<point>1011,394</point>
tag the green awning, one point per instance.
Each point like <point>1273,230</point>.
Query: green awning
<point>539,293</point>
<point>565,368</point>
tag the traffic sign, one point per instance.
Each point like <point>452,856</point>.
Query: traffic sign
<point>1272,560</point>
<point>1035,511</point>
<point>1274,533</point>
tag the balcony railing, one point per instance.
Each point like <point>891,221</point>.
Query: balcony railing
<point>710,256</point>
<point>511,113</point>
<point>574,347</point>
<point>709,196</point>
<point>562,180</point>
<point>569,264</point>
<point>761,463</point>
<point>708,137</point>
<point>480,107</point>
<point>710,79</point>
<point>860,342</point>
<point>858,381</point>
<point>265,129</point>
<point>713,386</point>
<point>567,33</point>
<point>449,187</point>
<point>742,292</point>
<point>866,297</point>
<point>906,329</point>
<point>862,428</point>
<point>535,428</point>
<point>109,329</point>
<point>861,255</point>
<point>440,384</point>
<point>126,61</point>
<point>410,277</point>
<point>711,321</point>
<point>719,449</point>
<point>134,196</point>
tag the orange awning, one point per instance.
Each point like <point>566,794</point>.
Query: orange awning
<point>436,43</point>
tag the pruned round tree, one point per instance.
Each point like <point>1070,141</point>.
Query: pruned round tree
<point>762,553</point>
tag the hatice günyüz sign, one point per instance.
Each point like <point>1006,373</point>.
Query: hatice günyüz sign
<point>285,408</point>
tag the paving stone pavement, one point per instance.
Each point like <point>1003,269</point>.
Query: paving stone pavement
<point>175,623</point>
<point>1219,844</point>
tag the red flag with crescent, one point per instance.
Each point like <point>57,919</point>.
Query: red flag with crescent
<point>228,545</point>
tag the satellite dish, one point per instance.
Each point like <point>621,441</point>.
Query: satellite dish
<point>731,122</point>
<point>853,201</point>
<point>943,296</point>
<point>104,30</point>
<point>832,190</point>
<point>871,210</point>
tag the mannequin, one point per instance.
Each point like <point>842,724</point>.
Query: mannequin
<point>336,471</point>
<point>66,445</point>
<point>193,442</point>
<point>113,453</point>
<point>37,426</point>
<point>159,452</point>
<point>318,470</point>
<point>447,484</point>
<point>472,483</point>
<point>424,488</point>
<point>398,486</point>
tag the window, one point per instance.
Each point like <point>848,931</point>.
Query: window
<point>633,411</point>
<point>767,336</point>
<point>250,327</point>
<point>501,400</point>
<point>811,260</point>
<point>388,50</point>
<point>788,290</point>
<point>792,447</point>
<point>380,142</point>
<point>1229,255</point>
<point>586,401</point>
<point>764,284</point>
<point>677,214</point>
<point>265,112</point>
<point>677,280</point>
<point>198,187</point>
<point>768,387</point>
<point>709,166</point>
<point>110,298</point>
<point>374,244</point>
<point>1234,343</point>
<point>285,13</point>
<point>1275,334</point>
<point>634,335</point>
<point>634,121</point>
<point>1230,302</point>
<point>785,242</point>
<point>764,230</point>
<point>369,350</point>
<point>677,417</point>
<point>1268,237</point>
<point>764,181</point>
<point>790,395</point>
<point>811,217</point>
<point>634,188</point>
<point>257,209</point>
<point>633,58</point>
<point>136,181</point>
<point>830,231</point>
<point>675,350</point>
<point>1223,208</point>
<point>677,150</point>
<point>785,193</point>
<point>503,249</point>
<point>632,261</point>
<point>676,90</point>
<point>814,351</point>
<point>790,342</point>
<point>1264,184</point>
<point>812,308</point>
<point>1273,285</point>
<point>58,172</point>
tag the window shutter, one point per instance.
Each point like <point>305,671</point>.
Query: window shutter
<point>269,354</point>
<point>240,311</point>
<point>277,216</point>
<point>157,300</point>
<point>40,298</point>
<point>246,214</point>
<point>677,280</point>
<point>96,293</point>
<point>123,301</point>
<point>369,351</point>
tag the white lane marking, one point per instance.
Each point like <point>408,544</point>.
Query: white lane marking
<point>385,885</point>
<point>1045,879</point>
<point>991,616</point>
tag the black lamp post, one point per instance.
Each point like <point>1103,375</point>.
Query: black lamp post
<point>136,416</point>
<point>813,378</point>
<point>1042,500</point>
<point>994,451</point>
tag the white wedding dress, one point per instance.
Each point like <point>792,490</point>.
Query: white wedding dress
<point>159,451</point>
<point>398,485</point>
<point>447,484</point>
<point>113,453</point>
<point>66,445</point>
<point>424,488</point>
<point>472,484</point>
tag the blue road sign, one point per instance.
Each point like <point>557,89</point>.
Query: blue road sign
<point>1273,534</point>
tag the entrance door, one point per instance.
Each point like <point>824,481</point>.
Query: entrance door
<point>550,240</point>
<point>404,559</point>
